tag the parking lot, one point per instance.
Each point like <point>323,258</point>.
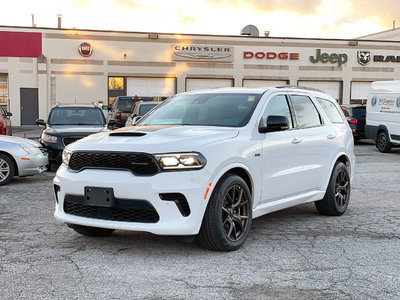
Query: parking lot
<point>294,253</point>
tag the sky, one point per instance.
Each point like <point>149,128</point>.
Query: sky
<point>282,18</point>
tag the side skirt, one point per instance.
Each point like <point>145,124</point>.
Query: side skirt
<point>269,207</point>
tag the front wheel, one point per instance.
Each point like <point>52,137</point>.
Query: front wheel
<point>227,220</point>
<point>7,169</point>
<point>337,194</point>
<point>383,142</point>
<point>91,231</point>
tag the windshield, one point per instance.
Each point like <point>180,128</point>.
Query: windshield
<point>231,110</point>
<point>145,108</point>
<point>76,116</point>
<point>126,103</point>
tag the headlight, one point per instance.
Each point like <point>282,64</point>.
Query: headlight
<point>49,138</point>
<point>181,161</point>
<point>66,155</point>
<point>30,149</point>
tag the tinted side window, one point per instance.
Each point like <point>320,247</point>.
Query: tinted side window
<point>278,106</point>
<point>306,113</point>
<point>330,110</point>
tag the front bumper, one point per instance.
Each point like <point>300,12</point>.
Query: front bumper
<point>192,184</point>
<point>35,165</point>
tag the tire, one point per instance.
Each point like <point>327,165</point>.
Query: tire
<point>227,220</point>
<point>383,142</point>
<point>337,194</point>
<point>91,231</point>
<point>7,169</point>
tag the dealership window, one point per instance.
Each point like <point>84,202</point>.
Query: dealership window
<point>3,91</point>
<point>115,83</point>
<point>116,88</point>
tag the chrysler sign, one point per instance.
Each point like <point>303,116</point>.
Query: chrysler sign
<point>190,52</point>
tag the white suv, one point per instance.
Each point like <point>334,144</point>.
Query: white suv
<point>205,163</point>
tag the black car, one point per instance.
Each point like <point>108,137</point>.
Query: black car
<point>68,123</point>
<point>356,115</point>
<point>122,108</point>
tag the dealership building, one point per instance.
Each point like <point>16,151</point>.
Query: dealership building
<point>42,66</point>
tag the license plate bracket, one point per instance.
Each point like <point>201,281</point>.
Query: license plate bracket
<point>99,196</point>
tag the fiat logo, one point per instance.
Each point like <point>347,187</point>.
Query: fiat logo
<point>85,49</point>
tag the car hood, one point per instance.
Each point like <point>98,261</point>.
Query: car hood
<point>17,140</point>
<point>155,138</point>
<point>74,130</point>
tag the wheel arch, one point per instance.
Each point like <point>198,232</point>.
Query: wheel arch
<point>381,128</point>
<point>344,158</point>
<point>16,172</point>
<point>237,169</point>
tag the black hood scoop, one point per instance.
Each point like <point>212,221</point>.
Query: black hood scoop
<point>127,133</point>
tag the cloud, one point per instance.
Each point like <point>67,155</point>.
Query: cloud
<point>382,12</point>
<point>290,6</point>
<point>131,5</point>
<point>82,3</point>
<point>185,19</point>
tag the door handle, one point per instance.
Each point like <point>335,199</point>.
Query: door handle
<point>331,136</point>
<point>296,141</point>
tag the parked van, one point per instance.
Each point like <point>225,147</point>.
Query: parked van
<point>383,114</point>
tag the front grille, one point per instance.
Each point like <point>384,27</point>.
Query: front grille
<point>70,140</point>
<point>137,163</point>
<point>139,211</point>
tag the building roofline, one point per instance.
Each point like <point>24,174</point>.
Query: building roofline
<point>359,39</point>
<point>380,32</point>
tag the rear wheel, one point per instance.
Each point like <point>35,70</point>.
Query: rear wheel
<point>7,169</point>
<point>91,231</point>
<point>383,142</point>
<point>227,220</point>
<point>337,194</point>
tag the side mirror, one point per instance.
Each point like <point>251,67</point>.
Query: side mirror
<point>104,107</point>
<point>135,120</point>
<point>40,122</point>
<point>112,122</point>
<point>8,114</point>
<point>274,123</point>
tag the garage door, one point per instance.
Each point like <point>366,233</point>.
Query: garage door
<point>151,87</point>
<point>330,87</point>
<point>263,83</point>
<point>359,91</point>
<point>193,84</point>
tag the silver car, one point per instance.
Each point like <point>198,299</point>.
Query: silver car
<point>20,157</point>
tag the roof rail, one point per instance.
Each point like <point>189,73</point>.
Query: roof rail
<point>300,87</point>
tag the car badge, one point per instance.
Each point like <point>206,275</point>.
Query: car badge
<point>363,57</point>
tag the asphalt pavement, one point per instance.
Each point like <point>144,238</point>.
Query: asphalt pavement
<point>291,254</point>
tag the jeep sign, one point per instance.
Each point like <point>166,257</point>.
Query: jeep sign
<point>333,58</point>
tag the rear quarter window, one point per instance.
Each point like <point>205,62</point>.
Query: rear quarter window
<point>330,110</point>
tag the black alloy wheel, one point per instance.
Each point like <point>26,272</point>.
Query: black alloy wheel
<point>235,212</point>
<point>337,195</point>
<point>227,220</point>
<point>342,189</point>
<point>383,143</point>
